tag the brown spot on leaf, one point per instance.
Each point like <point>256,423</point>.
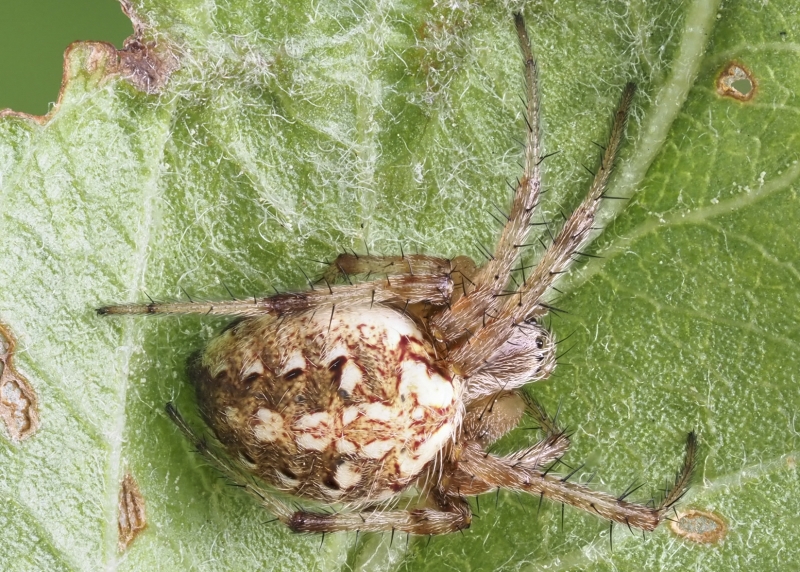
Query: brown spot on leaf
<point>130,512</point>
<point>737,82</point>
<point>146,66</point>
<point>19,407</point>
<point>699,526</point>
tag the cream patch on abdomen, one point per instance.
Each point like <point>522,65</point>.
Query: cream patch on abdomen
<point>295,361</point>
<point>255,367</point>
<point>430,390</point>
<point>345,447</point>
<point>347,475</point>
<point>412,461</point>
<point>268,425</point>
<point>351,377</point>
<point>377,449</point>
<point>349,415</point>
<point>378,412</point>
<point>314,431</point>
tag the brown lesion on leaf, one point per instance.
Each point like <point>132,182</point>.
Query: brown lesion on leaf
<point>699,526</point>
<point>19,406</point>
<point>146,65</point>
<point>130,512</point>
<point>737,82</point>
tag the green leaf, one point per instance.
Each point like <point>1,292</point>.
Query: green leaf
<point>294,130</point>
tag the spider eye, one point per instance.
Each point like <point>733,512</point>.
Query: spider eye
<point>539,343</point>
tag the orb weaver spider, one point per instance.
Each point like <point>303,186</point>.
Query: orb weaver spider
<point>350,394</point>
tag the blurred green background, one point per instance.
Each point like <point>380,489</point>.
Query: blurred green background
<point>33,37</point>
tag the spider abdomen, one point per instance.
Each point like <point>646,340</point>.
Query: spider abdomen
<point>338,405</point>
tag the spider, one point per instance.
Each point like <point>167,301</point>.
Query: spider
<point>353,392</point>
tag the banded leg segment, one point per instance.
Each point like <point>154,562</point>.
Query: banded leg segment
<point>352,264</point>
<point>452,514</point>
<point>513,473</point>
<point>461,269</point>
<point>525,304</point>
<point>396,290</point>
<point>493,277</point>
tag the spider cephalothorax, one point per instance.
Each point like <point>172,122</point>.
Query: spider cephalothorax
<point>352,393</point>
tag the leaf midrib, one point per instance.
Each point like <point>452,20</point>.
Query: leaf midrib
<point>151,194</point>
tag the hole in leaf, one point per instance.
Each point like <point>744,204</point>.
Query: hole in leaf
<point>736,82</point>
<point>743,86</point>
<point>699,526</point>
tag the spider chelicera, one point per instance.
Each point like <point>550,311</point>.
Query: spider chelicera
<point>350,394</point>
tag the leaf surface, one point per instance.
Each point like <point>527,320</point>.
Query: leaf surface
<point>294,130</point>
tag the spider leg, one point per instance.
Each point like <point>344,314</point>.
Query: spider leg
<point>536,410</point>
<point>476,472</point>
<point>460,269</point>
<point>575,232</point>
<point>514,473</point>
<point>525,303</point>
<point>395,290</point>
<point>490,418</point>
<point>491,278</point>
<point>347,265</point>
<point>452,513</point>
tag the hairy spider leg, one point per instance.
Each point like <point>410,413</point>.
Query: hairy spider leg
<point>527,474</point>
<point>451,515</point>
<point>461,269</point>
<point>492,277</point>
<point>477,471</point>
<point>394,290</point>
<point>347,264</point>
<point>525,304</point>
